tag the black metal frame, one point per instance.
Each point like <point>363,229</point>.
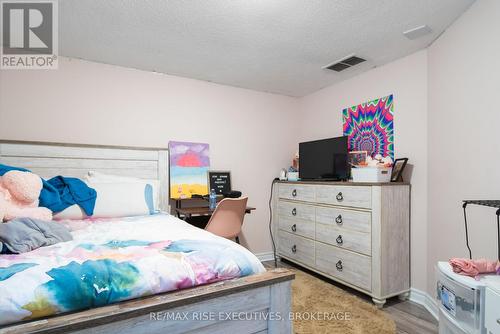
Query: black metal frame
<point>488,203</point>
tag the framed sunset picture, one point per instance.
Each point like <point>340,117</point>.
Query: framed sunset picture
<point>189,165</point>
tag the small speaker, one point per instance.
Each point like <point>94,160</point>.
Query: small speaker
<point>232,194</point>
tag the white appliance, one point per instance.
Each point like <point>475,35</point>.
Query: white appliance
<point>461,302</point>
<point>492,305</point>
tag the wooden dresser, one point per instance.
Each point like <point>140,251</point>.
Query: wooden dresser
<point>355,233</point>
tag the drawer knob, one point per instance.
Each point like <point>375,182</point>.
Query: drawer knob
<point>338,219</point>
<point>294,211</point>
<point>340,197</point>
<point>294,227</point>
<point>339,240</point>
<point>294,249</point>
<point>338,265</point>
<point>294,192</point>
<point>498,321</point>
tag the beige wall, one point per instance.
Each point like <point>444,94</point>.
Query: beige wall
<point>321,117</point>
<point>464,141</point>
<point>85,102</point>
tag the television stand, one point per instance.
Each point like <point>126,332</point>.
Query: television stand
<point>357,234</point>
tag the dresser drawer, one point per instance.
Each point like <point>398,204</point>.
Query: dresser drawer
<point>358,197</point>
<point>296,248</point>
<point>352,240</point>
<point>297,211</point>
<point>349,219</point>
<point>299,192</point>
<point>303,228</point>
<point>347,266</point>
<point>492,312</point>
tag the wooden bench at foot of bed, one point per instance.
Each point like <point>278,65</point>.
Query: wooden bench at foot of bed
<point>254,304</point>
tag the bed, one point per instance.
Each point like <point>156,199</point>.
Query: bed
<point>161,273</point>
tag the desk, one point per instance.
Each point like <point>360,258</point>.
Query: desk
<point>201,211</point>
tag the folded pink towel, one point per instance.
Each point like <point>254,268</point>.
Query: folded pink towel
<point>473,268</point>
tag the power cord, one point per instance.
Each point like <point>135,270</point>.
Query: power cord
<point>270,222</point>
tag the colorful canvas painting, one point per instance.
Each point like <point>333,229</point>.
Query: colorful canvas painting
<point>370,127</point>
<point>189,164</point>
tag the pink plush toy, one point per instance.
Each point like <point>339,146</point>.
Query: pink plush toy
<point>19,192</point>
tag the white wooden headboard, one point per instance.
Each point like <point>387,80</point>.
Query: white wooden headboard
<point>75,160</point>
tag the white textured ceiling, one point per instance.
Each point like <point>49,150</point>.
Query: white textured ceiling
<point>278,46</point>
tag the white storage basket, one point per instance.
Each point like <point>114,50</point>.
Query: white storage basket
<point>371,174</point>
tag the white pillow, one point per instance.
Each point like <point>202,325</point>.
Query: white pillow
<point>102,177</point>
<point>72,212</point>
<point>93,177</point>
<point>119,199</point>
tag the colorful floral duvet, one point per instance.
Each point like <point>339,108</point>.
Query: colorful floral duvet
<point>112,260</point>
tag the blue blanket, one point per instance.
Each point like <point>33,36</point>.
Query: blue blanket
<point>60,192</point>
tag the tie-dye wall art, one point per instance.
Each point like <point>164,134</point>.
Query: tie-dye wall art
<point>189,164</point>
<point>370,127</point>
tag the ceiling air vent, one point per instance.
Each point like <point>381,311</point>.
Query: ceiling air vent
<point>345,63</point>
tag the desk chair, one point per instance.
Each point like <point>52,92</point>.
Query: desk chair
<point>227,219</point>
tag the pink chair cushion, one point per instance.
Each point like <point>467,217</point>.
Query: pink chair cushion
<point>227,219</point>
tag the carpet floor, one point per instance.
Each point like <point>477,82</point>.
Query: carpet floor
<point>322,308</point>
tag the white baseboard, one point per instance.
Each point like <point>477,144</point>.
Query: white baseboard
<point>424,299</point>
<point>268,256</point>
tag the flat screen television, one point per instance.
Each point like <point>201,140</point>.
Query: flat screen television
<point>324,159</point>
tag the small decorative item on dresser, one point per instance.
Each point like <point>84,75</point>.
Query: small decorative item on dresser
<point>356,158</point>
<point>282,174</point>
<point>295,161</point>
<point>292,174</point>
<point>397,169</point>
